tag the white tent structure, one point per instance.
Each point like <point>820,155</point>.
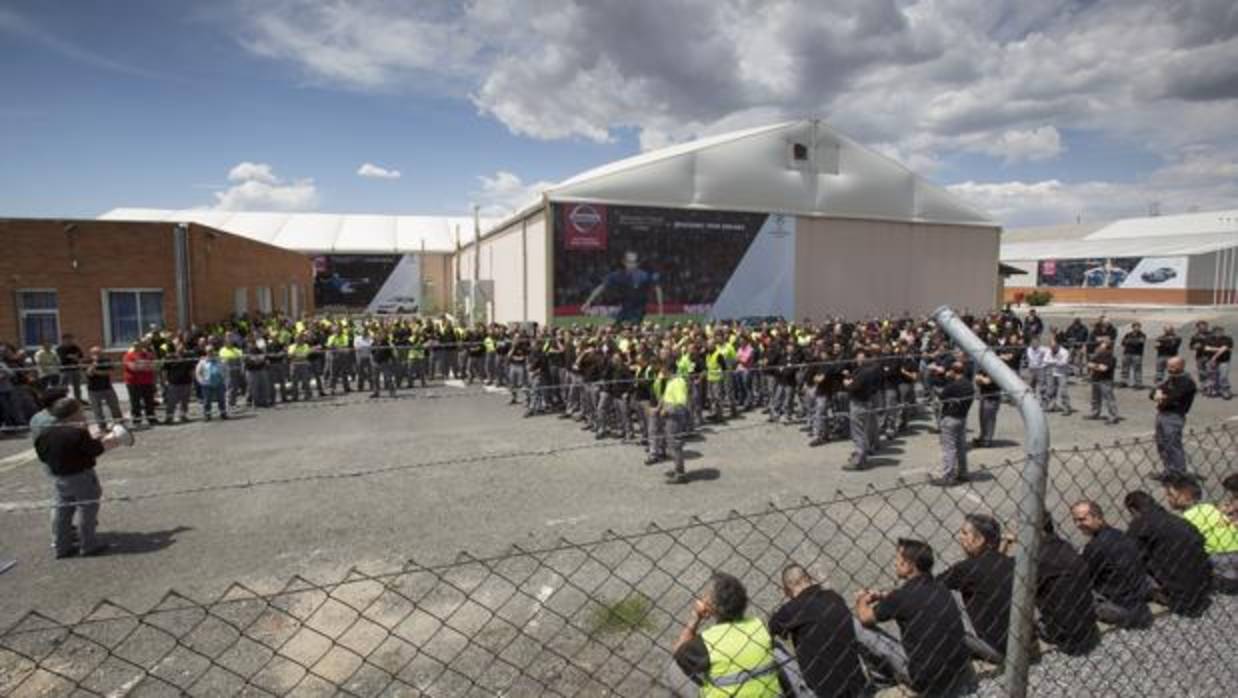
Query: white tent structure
<point>1180,259</point>
<point>324,233</point>
<point>847,230</point>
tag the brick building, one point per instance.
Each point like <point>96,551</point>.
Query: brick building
<point>106,282</point>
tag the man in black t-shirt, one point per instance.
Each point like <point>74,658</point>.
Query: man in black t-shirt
<point>931,657</point>
<point>1220,349</point>
<point>1166,348</point>
<point>1132,357</point>
<point>956,399</point>
<point>70,355</point>
<point>1174,397</point>
<point>68,451</point>
<point>822,629</point>
<point>1101,368</point>
<point>99,388</point>
<point>985,583</point>
<point>1118,575</point>
<point>1198,343</point>
<point>1173,551</point>
<point>1064,596</point>
<point>862,386</point>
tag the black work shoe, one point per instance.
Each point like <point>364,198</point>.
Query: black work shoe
<point>96,551</point>
<point>674,478</point>
<point>816,442</point>
<point>62,554</point>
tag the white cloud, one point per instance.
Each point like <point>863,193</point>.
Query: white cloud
<point>503,193</point>
<point>920,79</point>
<point>252,171</point>
<point>257,188</point>
<point>373,171</point>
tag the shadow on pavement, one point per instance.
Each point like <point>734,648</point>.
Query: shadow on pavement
<point>133,543</point>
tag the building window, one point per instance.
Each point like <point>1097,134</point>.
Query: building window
<point>283,300</point>
<point>38,311</point>
<point>296,301</point>
<point>264,299</point>
<point>799,152</point>
<point>130,312</point>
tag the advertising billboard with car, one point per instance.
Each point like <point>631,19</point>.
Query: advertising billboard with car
<point>1113,272</point>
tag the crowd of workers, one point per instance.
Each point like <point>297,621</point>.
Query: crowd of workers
<point>946,621</point>
<point>863,380</point>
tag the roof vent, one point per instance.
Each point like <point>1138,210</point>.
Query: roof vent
<point>799,152</point>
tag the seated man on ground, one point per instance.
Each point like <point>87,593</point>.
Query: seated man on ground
<point>732,657</point>
<point>1229,505</point>
<point>1064,596</point>
<point>1183,494</point>
<point>1173,551</point>
<point>1115,567</point>
<point>822,630</point>
<point>984,583</point>
<point>932,658</point>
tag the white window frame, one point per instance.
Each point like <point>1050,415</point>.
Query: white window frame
<point>240,300</point>
<point>107,313</point>
<point>265,299</point>
<point>295,311</point>
<point>22,313</point>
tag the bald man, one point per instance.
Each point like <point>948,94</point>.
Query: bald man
<point>819,624</point>
<point>1173,399</point>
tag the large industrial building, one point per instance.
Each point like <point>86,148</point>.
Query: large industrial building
<point>1187,259</point>
<point>792,220</point>
<point>109,282</point>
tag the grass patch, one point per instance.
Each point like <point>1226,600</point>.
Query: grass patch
<point>625,615</point>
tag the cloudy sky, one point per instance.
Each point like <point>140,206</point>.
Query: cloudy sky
<point>1038,112</point>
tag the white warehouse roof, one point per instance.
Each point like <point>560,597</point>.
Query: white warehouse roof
<point>323,232</point>
<point>759,169</point>
<point>1153,236</point>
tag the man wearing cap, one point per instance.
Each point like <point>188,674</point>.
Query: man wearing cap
<point>68,450</point>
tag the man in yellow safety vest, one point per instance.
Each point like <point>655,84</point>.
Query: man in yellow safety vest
<point>734,657</point>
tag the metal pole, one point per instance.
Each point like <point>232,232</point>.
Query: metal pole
<point>476,264</point>
<point>1031,501</point>
<point>1216,276</point>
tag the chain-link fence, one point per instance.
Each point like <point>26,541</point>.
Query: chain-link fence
<point>600,617</point>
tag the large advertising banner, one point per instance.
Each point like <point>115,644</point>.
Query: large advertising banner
<point>382,284</point>
<point>629,264</point>
<point>1113,272</point>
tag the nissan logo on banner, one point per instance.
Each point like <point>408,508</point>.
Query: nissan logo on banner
<point>585,226</point>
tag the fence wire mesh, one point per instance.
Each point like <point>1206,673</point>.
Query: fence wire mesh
<point>600,617</point>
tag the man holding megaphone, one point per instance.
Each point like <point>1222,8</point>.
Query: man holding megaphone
<point>68,449</point>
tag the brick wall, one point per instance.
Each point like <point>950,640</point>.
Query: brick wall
<point>80,258</point>
<point>221,263</point>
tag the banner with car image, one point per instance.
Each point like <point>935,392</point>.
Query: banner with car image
<point>385,284</point>
<point>1113,272</point>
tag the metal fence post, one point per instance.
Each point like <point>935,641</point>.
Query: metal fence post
<point>1031,501</point>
